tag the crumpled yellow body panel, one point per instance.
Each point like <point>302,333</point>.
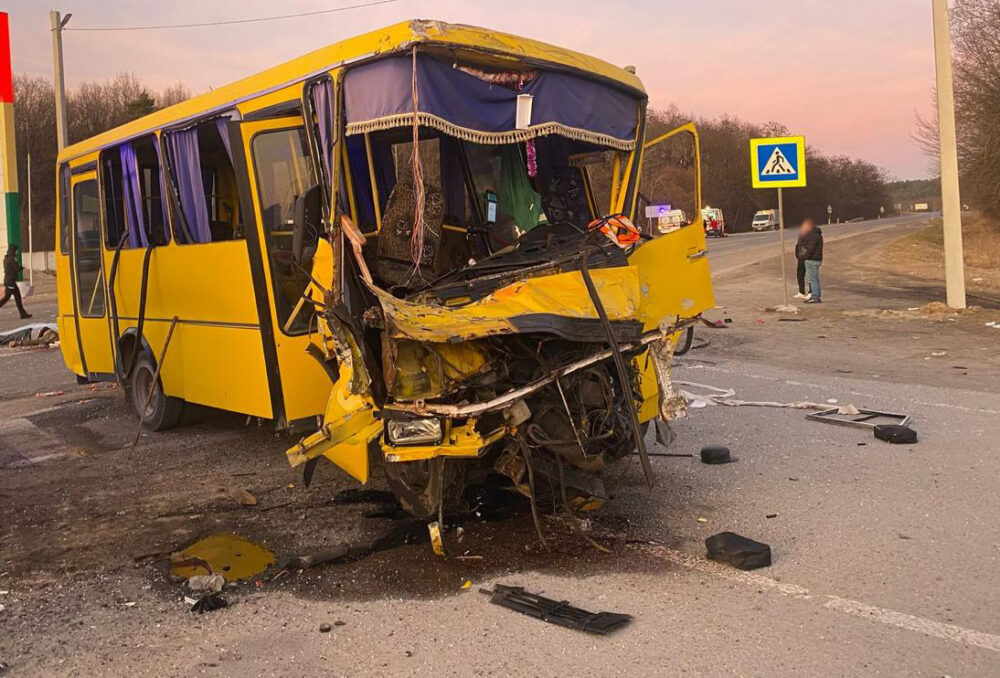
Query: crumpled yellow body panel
<point>561,295</point>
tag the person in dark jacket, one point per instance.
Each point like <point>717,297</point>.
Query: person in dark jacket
<point>800,269</point>
<point>809,252</point>
<point>10,271</point>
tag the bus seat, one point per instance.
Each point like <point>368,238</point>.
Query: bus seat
<point>393,263</point>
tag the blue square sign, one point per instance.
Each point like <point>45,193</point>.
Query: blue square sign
<point>778,162</point>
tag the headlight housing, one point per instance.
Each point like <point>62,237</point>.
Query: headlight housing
<point>414,431</point>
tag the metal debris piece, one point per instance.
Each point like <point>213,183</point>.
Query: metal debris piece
<point>739,551</point>
<point>558,612</point>
<point>863,419</point>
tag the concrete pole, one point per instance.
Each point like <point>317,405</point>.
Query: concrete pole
<point>59,83</point>
<point>781,239</point>
<point>951,205</point>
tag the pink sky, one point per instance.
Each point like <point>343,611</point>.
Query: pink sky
<point>850,75</point>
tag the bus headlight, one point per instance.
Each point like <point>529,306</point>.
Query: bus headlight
<point>414,431</point>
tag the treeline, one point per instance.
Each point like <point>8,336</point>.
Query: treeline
<point>975,33</point>
<point>91,108</point>
<point>852,187</point>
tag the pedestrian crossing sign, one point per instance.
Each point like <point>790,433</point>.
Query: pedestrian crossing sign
<point>778,162</point>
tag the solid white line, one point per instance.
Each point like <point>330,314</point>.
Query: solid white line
<point>927,627</point>
<point>725,571</point>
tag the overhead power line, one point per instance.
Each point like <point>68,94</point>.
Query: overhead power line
<point>232,21</point>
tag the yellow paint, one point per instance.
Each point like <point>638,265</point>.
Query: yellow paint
<point>230,555</point>
<point>563,294</point>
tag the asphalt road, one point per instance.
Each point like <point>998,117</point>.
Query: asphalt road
<point>739,249</point>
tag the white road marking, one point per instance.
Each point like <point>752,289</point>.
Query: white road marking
<point>928,627</point>
<point>854,608</point>
<point>726,572</point>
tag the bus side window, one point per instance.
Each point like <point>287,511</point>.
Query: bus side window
<point>130,181</point>
<point>207,208</point>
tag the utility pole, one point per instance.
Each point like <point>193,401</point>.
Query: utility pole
<point>951,206</point>
<point>58,23</point>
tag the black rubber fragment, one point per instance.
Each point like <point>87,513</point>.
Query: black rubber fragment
<point>895,434</point>
<point>716,454</point>
<point>740,552</point>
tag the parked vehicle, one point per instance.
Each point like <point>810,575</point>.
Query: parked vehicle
<point>252,249</point>
<point>765,220</point>
<point>714,222</point>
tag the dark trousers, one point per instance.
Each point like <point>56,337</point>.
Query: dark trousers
<point>13,291</point>
<point>800,275</point>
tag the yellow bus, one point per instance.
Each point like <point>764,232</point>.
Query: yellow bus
<point>417,243</point>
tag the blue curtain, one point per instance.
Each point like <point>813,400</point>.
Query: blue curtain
<point>322,103</point>
<point>185,161</point>
<point>377,95</point>
<point>132,197</point>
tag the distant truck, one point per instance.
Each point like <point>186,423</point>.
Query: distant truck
<point>765,220</point>
<point>715,223</point>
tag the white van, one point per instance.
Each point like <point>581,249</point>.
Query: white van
<point>765,220</point>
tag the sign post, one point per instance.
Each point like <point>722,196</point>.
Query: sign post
<point>779,163</point>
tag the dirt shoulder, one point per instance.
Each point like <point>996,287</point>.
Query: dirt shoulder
<point>919,255</point>
<point>875,321</point>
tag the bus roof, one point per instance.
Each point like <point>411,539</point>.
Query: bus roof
<point>386,40</point>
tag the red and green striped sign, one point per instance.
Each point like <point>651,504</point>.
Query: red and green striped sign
<point>10,227</point>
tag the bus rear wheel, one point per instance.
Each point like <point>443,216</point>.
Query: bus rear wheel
<point>161,411</point>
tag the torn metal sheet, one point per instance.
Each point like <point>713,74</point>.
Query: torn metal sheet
<point>556,303</point>
<point>672,403</point>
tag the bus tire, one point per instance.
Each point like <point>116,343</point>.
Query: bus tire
<point>162,411</point>
<point>420,486</point>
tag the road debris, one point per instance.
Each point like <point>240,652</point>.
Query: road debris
<point>243,497</point>
<point>209,602</point>
<point>858,417</point>
<point>895,434</point>
<point>211,583</point>
<point>325,628</point>
<point>230,555</point>
<point>716,454</point>
<point>560,613</point>
<point>437,543</point>
<point>740,552</point>
<point>33,334</point>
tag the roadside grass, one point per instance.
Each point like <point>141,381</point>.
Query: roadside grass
<point>920,254</point>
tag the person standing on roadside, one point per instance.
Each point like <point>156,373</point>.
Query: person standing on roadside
<point>800,266</point>
<point>809,253</point>
<point>11,269</point>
